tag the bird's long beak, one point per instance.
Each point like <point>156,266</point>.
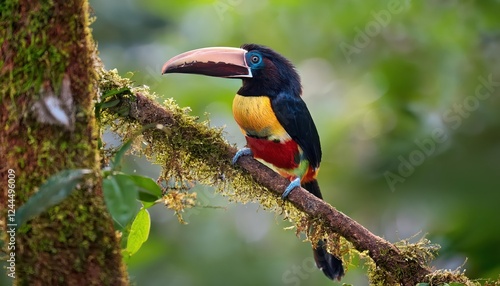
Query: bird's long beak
<point>217,61</point>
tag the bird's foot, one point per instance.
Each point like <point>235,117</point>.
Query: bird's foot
<point>242,152</point>
<point>295,183</point>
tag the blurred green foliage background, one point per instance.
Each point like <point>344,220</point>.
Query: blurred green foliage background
<point>405,95</point>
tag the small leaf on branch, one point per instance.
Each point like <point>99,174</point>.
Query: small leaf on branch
<point>120,195</point>
<point>139,232</point>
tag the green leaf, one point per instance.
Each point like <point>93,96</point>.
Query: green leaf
<point>107,101</point>
<point>53,191</point>
<point>147,199</point>
<point>114,92</point>
<point>139,231</point>
<point>149,191</point>
<point>110,103</point>
<point>117,160</point>
<point>147,184</point>
<point>120,195</point>
<point>422,284</point>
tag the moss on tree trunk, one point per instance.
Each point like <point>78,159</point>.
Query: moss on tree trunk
<point>73,243</point>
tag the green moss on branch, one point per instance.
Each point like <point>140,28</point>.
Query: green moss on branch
<point>187,150</point>
<point>190,151</point>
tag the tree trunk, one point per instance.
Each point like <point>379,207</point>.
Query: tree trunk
<point>47,124</point>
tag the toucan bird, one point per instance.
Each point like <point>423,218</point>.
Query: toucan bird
<point>277,125</point>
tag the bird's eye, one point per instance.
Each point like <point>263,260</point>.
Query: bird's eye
<point>254,59</point>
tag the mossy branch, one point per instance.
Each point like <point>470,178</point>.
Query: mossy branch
<point>189,149</point>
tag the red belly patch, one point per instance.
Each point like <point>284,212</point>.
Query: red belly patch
<point>281,155</point>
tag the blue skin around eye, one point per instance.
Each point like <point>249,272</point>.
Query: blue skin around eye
<point>253,65</point>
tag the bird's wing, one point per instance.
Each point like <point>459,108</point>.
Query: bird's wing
<point>293,115</point>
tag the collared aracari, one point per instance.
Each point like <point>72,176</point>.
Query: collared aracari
<point>277,125</point>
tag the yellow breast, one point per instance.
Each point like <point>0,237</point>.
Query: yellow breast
<point>255,117</point>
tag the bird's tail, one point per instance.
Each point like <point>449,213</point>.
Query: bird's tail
<point>328,263</point>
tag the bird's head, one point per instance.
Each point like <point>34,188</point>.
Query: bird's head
<point>263,71</point>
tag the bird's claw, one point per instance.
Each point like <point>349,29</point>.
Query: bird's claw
<point>242,152</point>
<point>295,183</point>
